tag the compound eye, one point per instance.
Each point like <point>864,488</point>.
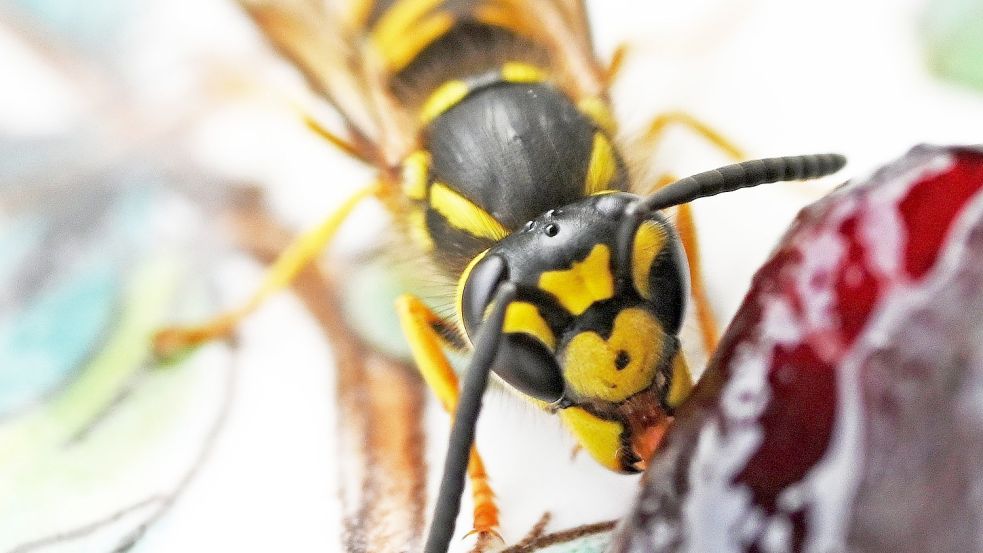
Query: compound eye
<point>660,272</point>
<point>479,288</point>
<point>529,367</point>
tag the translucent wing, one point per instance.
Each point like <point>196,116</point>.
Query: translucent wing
<point>561,26</point>
<point>326,41</point>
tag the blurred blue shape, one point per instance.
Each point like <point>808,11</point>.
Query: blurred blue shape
<point>63,271</point>
<point>47,343</point>
<point>94,24</point>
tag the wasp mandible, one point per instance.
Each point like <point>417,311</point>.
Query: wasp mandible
<point>489,124</point>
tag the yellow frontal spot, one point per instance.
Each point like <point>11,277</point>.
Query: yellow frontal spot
<point>416,170</point>
<point>649,241</point>
<point>590,363</point>
<point>682,381</point>
<point>582,284</point>
<point>518,72</point>
<point>602,165</point>
<point>444,98</point>
<point>598,111</point>
<point>601,438</point>
<point>463,214</point>
<point>523,317</point>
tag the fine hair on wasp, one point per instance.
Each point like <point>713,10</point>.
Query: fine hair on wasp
<point>497,154</point>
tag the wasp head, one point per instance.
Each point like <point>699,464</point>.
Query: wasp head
<point>592,332</point>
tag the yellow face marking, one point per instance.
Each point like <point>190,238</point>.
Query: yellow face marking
<point>583,283</point>
<point>518,72</point>
<point>417,221</point>
<point>602,165</point>
<point>682,381</point>
<point>416,169</point>
<point>597,109</point>
<point>462,214</point>
<point>444,98</point>
<point>591,363</point>
<point>649,241</point>
<point>523,317</point>
<point>601,438</point>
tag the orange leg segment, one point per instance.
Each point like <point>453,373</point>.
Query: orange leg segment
<point>616,64</point>
<point>685,224</point>
<point>686,227</point>
<point>657,128</point>
<point>704,314</point>
<point>418,323</point>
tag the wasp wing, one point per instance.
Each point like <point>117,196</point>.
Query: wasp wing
<point>562,27</point>
<point>325,41</point>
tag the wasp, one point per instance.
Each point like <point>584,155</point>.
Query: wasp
<point>490,127</point>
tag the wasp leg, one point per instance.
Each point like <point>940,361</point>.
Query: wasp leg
<point>686,227</point>
<point>170,341</point>
<point>704,313</point>
<point>616,64</point>
<point>419,326</point>
<point>345,146</point>
<point>685,224</point>
<point>657,129</point>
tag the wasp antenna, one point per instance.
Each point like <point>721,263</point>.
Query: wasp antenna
<point>723,179</point>
<point>743,175</point>
<point>465,418</point>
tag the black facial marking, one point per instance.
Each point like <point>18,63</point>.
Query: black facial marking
<point>622,360</point>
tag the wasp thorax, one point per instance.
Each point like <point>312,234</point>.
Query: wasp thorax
<point>587,327</point>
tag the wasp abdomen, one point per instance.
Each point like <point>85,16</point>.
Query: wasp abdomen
<point>501,153</point>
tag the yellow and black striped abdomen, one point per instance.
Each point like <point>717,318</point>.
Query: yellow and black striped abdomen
<point>425,43</point>
<point>500,154</point>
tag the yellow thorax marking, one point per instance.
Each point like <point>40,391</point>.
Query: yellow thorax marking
<point>444,98</point>
<point>601,438</point>
<point>523,317</point>
<point>417,220</point>
<point>416,170</point>
<point>584,283</point>
<point>519,72</point>
<point>463,214</point>
<point>649,241</point>
<point>590,362</point>
<point>597,109</point>
<point>602,165</point>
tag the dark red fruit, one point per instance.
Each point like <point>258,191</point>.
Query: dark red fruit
<point>844,407</point>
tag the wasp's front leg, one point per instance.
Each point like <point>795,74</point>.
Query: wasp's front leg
<point>660,124</point>
<point>170,341</point>
<point>423,330</point>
